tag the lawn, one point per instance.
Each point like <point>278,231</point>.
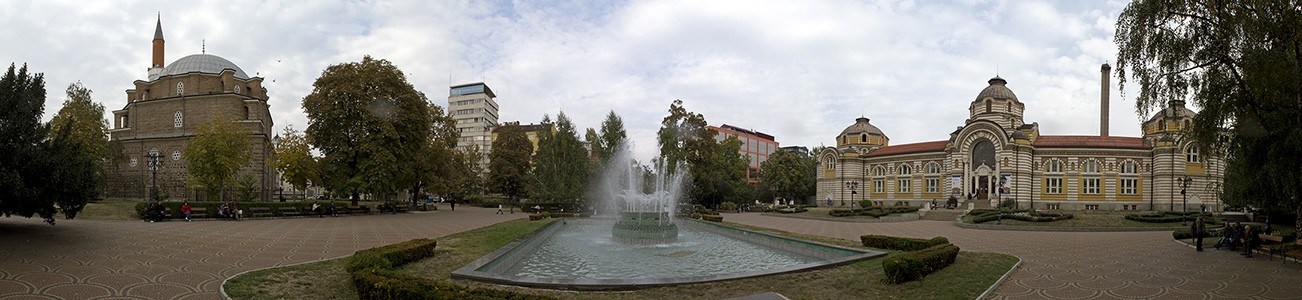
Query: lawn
<point>110,209</point>
<point>1087,220</point>
<point>967,278</point>
<point>822,213</point>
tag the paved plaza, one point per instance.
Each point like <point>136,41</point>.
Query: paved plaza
<point>88,259</point>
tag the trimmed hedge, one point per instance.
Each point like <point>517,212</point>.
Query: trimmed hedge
<point>987,215</point>
<point>1186,234</point>
<point>212,208</point>
<point>792,210</point>
<point>876,211</point>
<point>373,275</point>
<point>1167,217</point>
<point>390,256</point>
<point>712,218</point>
<point>900,243</point>
<point>909,266</point>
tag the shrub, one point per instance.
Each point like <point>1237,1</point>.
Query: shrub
<point>538,216</point>
<point>390,256</point>
<point>865,203</point>
<point>900,243</point>
<point>378,283</point>
<point>792,210</point>
<point>728,206</point>
<point>1184,233</point>
<point>987,215</point>
<point>913,265</point>
<point>1167,217</point>
<point>712,218</point>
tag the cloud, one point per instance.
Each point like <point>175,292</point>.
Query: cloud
<point>798,70</point>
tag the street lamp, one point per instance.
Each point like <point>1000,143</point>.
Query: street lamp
<point>853,186</point>
<point>1000,200</point>
<point>153,167</point>
<point>1184,204</point>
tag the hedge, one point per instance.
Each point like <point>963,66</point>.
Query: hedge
<point>900,243</point>
<point>373,275</point>
<point>987,215</point>
<point>712,218</point>
<point>390,256</point>
<point>212,207</point>
<point>914,265</point>
<point>1167,217</point>
<point>1186,234</point>
<point>792,210</point>
<point>876,212</point>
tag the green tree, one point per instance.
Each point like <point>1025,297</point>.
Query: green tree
<point>508,163</point>
<point>789,175</point>
<point>215,155</point>
<point>682,134</point>
<point>439,168</point>
<point>1241,62</point>
<point>560,165</point>
<point>42,172</point>
<point>368,122</point>
<point>718,171</point>
<point>85,119</point>
<point>293,158</point>
<point>611,138</point>
<point>80,147</point>
<point>472,185</point>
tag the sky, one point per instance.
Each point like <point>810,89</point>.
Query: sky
<point>798,70</point>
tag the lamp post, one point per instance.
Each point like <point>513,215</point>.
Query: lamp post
<point>853,187</point>
<point>1184,202</point>
<point>999,198</point>
<point>153,168</point>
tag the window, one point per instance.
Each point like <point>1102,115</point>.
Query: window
<point>879,171</point>
<point>1052,206</point>
<point>933,168</point>
<point>178,119</point>
<point>1090,166</point>
<point>1187,124</point>
<point>134,162</point>
<point>1161,125</point>
<point>830,162</point>
<point>1053,166</point>
<point>180,88</point>
<point>933,185</point>
<point>1129,186</point>
<point>1191,154</point>
<point>1053,185</point>
<point>237,89</point>
<point>863,138</point>
<point>1091,207</point>
<point>905,170</point>
<point>176,154</point>
<point>1090,185</point>
<point>1129,167</point>
<point>879,186</point>
<point>988,104</point>
<point>904,184</point>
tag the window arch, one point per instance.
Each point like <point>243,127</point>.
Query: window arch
<point>988,105</point>
<point>180,88</point>
<point>1090,166</point>
<point>933,168</point>
<point>1191,154</point>
<point>904,169</point>
<point>178,119</point>
<point>830,163</point>
<point>1129,167</point>
<point>1053,166</point>
<point>1161,125</point>
<point>1187,124</point>
<point>863,138</point>
<point>879,171</point>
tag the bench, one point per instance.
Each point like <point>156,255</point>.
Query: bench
<point>357,210</point>
<point>1271,244</point>
<point>287,211</point>
<point>256,212</point>
<point>195,213</point>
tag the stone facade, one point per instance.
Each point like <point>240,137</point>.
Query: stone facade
<point>995,156</point>
<point>164,113</point>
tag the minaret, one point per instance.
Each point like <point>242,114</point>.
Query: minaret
<point>1106,73</point>
<point>156,66</point>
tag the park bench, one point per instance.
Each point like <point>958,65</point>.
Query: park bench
<point>288,211</point>
<point>1272,244</point>
<point>195,213</point>
<point>362,209</point>
<point>260,212</point>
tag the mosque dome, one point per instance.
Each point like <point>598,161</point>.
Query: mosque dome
<point>861,125</point>
<point>998,90</point>
<point>202,63</point>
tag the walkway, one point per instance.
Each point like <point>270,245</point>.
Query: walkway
<point>1087,265</point>
<point>89,259</point>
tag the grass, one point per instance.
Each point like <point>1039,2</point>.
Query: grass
<point>1088,220</point>
<point>822,213</point>
<point>970,275</point>
<point>110,209</point>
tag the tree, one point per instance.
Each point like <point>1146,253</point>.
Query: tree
<point>440,166</point>
<point>611,138</point>
<point>1241,62</point>
<point>86,123</point>
<point>788,174</point>
<point>508,163</point>
<point>215,154</point>
<point>368,122</point>
<point>560,165</point>
<point>718,171</point>
<point>472,185</point>
<point>42,172</point>
<point>293,158</point>
<point>682,134</point>
<point>79,147</point>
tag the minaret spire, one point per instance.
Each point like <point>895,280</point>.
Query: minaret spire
<point>158,28</point>
<point>156,64</point>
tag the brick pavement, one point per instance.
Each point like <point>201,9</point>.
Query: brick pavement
<point>90,259</point>
<point>1087,265</point>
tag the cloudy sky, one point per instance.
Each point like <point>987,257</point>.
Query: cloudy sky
<point>799,70</point>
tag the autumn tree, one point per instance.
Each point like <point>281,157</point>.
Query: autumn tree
<point>508,163</point>
<point>1241,62</point>
<point>560,165</point>
<point>293,158</point>
<point>215,155</point>
<point>368,122</point>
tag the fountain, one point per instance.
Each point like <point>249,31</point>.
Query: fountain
<point>635,241</point>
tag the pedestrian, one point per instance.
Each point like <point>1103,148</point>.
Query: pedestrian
<point>499,209</point>
<point>1248,237</point>
<point>1198,229</point>
<point>185,209</point>
<point>453,202</point>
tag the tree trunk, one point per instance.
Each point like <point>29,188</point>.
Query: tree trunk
<point>354,197</point>
<point>1297,221</point>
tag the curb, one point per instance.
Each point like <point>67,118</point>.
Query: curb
<point>1001,279</point>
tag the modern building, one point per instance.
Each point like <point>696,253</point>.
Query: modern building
<point>163,114</point>
<point>801,150</point>
<point>994,155</point>
<point>533,132</point>
<point>757,146</point>
<point>474,107</point>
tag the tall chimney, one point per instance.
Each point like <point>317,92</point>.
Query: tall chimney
<point>1106,73</point>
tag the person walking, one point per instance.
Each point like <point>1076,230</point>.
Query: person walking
<point>1198,230</point>
<point>499,209</point>
<point>185,209</point>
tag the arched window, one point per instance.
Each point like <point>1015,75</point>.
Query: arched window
<point>180,88</point>
<point>988,105</point>
<point>879,171</point>
<point>830,163</point>
<point>1129,167</point>
<point>1090,166</point>
<point>933,168</point>
<point>1187,124</point>
<point>1161,124</point>
<point>905,170</point>
<point>863,138</point>
<point>176,154</point>
<point>1191,154</point>
<point>1053,166</point>
<point>247,115</point>
<point>237,89</point>
<point>178,119</point>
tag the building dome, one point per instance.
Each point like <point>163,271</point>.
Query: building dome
<point>1174,110</point>
<point>202,63</point>
<point>861,125</point>
<point>998,89</point>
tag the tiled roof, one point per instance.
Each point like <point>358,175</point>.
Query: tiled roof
<point>1075,141</point>
<point>909,148</point>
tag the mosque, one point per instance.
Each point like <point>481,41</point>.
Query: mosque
<point>996,157</point>
<point>163,113</point>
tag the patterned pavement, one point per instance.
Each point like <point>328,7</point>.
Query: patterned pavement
<point>89,259</point>
<point>1087,265</point>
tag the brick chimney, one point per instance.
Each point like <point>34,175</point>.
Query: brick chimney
<point>1106,74</point>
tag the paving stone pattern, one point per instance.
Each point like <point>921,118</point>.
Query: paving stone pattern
<point>89,259</point>
<point>1087,265</point>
